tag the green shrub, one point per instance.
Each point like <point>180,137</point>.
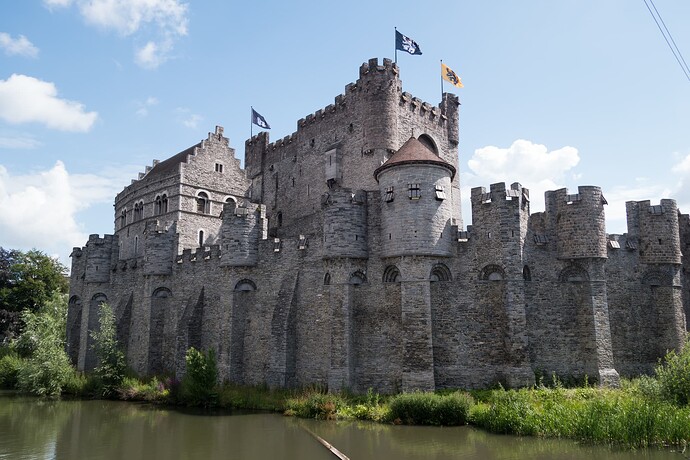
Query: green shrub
<point>111,360</point>
<point>431,409</point>
<point>316,404</point>
<point>673,375</point>
<point>10,364</point>
<point>44,372</point>
<point>199,382</point>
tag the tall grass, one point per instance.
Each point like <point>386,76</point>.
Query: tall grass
<point>596,415</point>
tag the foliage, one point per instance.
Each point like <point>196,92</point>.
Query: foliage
<point>673,374</point>
<point>597,415</point>
<point>431,409</point>
<point>316,404</point>
<point>154,390</point>
<point>253,397</point>
<point>199,382</point>
<point>47,367</point>
<point>10,363</point>
<point>111,360</point>
<point>27,281</point>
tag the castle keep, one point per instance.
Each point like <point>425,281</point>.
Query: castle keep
<point>338,256</point>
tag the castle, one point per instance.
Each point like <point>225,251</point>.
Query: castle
<point>338,256</point>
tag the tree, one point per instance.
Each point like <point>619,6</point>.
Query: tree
<point>47,366</point>
<point>111,360</point>
<point>27,282</point>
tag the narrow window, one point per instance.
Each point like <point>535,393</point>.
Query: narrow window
<point>280,219</point>
<point>136,245</point>
<point>389,195</point>
<point>219,167</point>
<point>201,238</point>
<point>414,191</point>
<point>202,203</point>
<point>164,203</point>
<point>157,206</point>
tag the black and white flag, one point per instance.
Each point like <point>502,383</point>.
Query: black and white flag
<point>259,120</point>
<point>405,43</point>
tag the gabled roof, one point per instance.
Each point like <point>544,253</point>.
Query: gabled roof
<point>170,166</point>
<point>414,152</point>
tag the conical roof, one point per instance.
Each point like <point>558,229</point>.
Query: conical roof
<point>414,152</point>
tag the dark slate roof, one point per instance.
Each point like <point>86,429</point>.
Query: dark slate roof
<point>414,152</point>
<point>170,166</point>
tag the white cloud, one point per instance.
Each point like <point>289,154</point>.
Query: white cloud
<point>20,142</point>
<point>150,56</point>
<point>143,107</point>
<point>531,164</point>
<point>188,119</point>
<point>165,19</point>
<point>25,99</point>
<point>20,46</point>
<point>41,209</point>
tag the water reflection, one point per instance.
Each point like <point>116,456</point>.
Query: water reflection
<point>35,429</point>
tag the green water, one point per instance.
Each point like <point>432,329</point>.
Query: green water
<point>35,429</point>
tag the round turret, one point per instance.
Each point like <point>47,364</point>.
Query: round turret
<point>345,223</point>
<point>416,208</point>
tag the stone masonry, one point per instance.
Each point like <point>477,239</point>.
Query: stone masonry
<point>338,257</point>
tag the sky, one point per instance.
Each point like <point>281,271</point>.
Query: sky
<point>556,93</point>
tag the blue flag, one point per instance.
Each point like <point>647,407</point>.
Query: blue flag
<point>404,43</point>
<point>259,120</point>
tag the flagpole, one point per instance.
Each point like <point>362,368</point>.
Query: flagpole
<point>441,80</point>
<point>251,128</point>
<point>396,44</point>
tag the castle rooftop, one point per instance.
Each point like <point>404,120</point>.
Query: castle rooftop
<point>170,165</point>
<point>414,152</point>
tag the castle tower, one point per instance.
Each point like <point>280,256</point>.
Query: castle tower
<point>656,231</point>
<point>499,227</point>
<point>159,248</point>
<point>416,212</point>
<point>240,233</point>
<point>578,223</point>
<point>344,223</point>
<point>416,227</point>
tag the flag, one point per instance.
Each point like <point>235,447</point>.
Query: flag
<point>450,76</point>
<point>259,120</point>
<point>406,44</point>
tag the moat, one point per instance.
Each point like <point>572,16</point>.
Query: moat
<point>38,429</point>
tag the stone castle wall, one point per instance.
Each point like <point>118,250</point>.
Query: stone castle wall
<point>308,274</point>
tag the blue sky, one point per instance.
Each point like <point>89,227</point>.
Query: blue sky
<point>557,93</point>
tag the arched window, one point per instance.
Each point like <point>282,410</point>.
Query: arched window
<point>158,205</point>
<point>136,245</point>
<point>492,273</point>
<point>164,203</point>
<point>327,279</point>
<point>280,219</point>
<point>203,205</point>
<point>123,218</point>
<point>245,285</point>
<point>439,272</point>
<point>573,273</point>
<point>428,143</point>
<point>526,273</point>
<point>358,277</point>
<point>138,211</point>
<point>161,293</point>
<point>201,238</point>
<point>391,274</point>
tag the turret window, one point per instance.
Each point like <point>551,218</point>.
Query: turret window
<point>389,195</point>
<point>138,210</point>
<point>440,193</point>
<point>414,191</point>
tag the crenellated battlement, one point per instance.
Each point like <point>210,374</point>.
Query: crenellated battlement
<point>517,195</point>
